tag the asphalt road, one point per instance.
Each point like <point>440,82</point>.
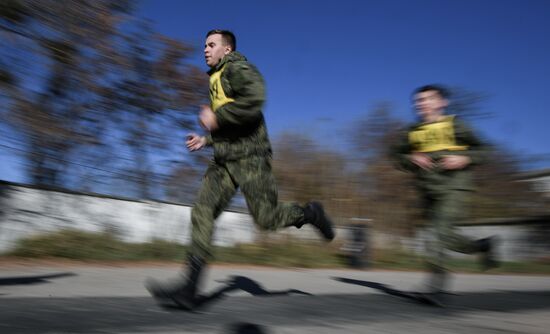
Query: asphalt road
<point>109,299</point>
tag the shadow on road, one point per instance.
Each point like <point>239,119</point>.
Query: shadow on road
<point>378,286</point>
<point>235,283</point>
<point>494,300</point>
<point>245,328</point>
<point>243,314</point>
<point>141,314</point>
<point>245,284</point>
<point>27,280</point>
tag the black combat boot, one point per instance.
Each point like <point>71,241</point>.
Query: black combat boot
<point>486,247</point>
<point>182,291</point>
<point>314,214</point>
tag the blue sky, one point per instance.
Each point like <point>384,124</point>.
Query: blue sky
<point>327,63</point>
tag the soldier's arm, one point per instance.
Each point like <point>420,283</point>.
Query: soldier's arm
<point>209,141</point>
<point>248,90</point>
<point>477,150</point>
<point>400,152</point>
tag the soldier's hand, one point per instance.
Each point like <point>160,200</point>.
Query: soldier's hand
<point>453,162</point>
<point>195,142</point>
<point>422,160</point>
<point>207,119</point>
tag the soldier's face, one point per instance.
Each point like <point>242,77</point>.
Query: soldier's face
<point>214,50</point>
<point>430,105</point>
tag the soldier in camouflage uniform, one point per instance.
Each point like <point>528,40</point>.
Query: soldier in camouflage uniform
<point>242,159</point>
<point>440,151</point>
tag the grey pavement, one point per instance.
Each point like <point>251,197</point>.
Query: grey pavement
<point>111,299</point>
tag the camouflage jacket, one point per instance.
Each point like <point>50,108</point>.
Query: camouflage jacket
<point>237,95</point>
<point>450,136</point>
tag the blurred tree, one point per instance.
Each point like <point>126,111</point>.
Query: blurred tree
<point>183,182</point>
<point>305,172</point>
<point>149,100</point>
<point>467,103</point>
<point>387,192</point>
<point>498,192</point>
<point>501,192</point>
<point>94,95</point>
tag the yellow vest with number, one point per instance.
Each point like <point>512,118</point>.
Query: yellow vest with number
<point>217,95</point>
<point>437,136</point>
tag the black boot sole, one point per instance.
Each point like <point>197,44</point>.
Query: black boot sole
<point>168,299</point>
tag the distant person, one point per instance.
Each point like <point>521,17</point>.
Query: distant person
<point>242,159</point>
<point>440,150</point>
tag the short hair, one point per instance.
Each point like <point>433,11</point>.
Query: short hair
<point>228,37</point>
<point>439,89</point>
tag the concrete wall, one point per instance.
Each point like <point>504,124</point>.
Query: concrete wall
<point>26,211</point>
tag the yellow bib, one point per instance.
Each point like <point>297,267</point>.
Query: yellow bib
<point>432,137</point>
<point>217,95</point>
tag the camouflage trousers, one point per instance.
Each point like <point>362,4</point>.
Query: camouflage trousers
<point>253,175</point>
<point>443,210</point>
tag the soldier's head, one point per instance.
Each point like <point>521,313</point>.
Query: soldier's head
<point>430,102</point>
<point>219,43</point>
